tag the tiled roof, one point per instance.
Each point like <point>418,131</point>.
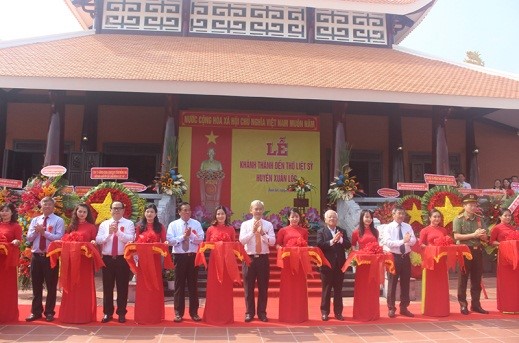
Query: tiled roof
<point>247,62</point>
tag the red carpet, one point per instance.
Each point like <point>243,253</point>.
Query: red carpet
<point>314,314</point>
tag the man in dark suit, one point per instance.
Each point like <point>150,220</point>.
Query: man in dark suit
<point>333,241</point>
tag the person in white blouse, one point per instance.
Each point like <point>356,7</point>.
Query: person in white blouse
<point>256,235</point>
<point>112,236</point>
<point>44,229</point>
<point>398,238</point>
<point>185,235</point>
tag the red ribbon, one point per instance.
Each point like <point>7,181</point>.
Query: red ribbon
<point>455,253</point>
<point>146,270</point>
<point>377,263</point>
<point>301,257</point>
<point>71,253</point>
<point>224,254</point>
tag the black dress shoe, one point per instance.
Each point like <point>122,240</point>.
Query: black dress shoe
<point>32,318</point>
<point>106,318</point>
<point>478,309</point>
<point>122,319</point>
<point>263,318</point>
<point>405,312</point>
<point>177,318</point>
<point>196,318</point>
<point>391,314</point>
<point>464,310</point>
<point>324,317</point>
<point>339,317</point>
<point>248,318</point>
<point>49,317</point>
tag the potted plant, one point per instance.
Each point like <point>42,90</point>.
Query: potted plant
<point>169,276</point>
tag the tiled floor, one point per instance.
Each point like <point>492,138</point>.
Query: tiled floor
<point>476,328</point>
<point>495,330</point>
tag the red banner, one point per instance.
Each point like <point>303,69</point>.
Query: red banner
<point>10,183</point>
<point>436,179</point>
<point>82,190</point>
<point>68,189</point>
<point>465,191</point>
<point>403,186</point>
<point>248,121</point>
<point>118,173</point>
<point>388,193</point>
<point>494,192</point>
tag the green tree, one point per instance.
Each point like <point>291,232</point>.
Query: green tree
<point>474,57</point>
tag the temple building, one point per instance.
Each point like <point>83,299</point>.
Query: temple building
<point>255,91</point>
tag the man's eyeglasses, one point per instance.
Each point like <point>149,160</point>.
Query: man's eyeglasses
<point>117,208</point>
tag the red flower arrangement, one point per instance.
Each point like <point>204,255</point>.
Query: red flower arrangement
<point>39,187</point>
<point>445,199</point>
<point>513,236</point>
<point>220,237</point>
<point>100,195</point>
<point>384,213</point>
<point>7,196</point>
<point>410,203</point>
<point>74,236</point>
<point>133,205</point>
<point>24,269</point>
<point>372,248</point>
<point>444,241</point>
<point>296,242</point>
<point>148,236</point>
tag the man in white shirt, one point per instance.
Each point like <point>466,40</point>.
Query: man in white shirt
<point>398,237</point>
<point>460,179</point>
<point>185,235</point>
<point>44,229</point>
<point>256,235</point>
<point>112,236</point>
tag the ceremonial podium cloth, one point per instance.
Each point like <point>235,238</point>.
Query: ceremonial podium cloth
<point>149,291</point>
<point>508,276</point>
<point>293,295</point>
<point>9,259</point>
<point>222,273</point>
<point>369,275</point>
<point>78,262</point>
<point>436,261</point>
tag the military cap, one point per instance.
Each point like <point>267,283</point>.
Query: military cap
<point>471,197</point>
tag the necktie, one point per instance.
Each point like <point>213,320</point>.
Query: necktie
<point>43,241</point>
<point>185,243</point>
<point>401,236</point>
<point>258,243</point>
<point>115,243</point>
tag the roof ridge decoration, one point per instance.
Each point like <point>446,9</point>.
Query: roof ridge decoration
<point>474,67</point>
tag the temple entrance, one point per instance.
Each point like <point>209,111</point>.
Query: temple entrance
<point>367,167</point>
<point>142,160</point>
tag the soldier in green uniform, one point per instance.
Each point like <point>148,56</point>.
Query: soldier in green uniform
<point>467,229</point>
